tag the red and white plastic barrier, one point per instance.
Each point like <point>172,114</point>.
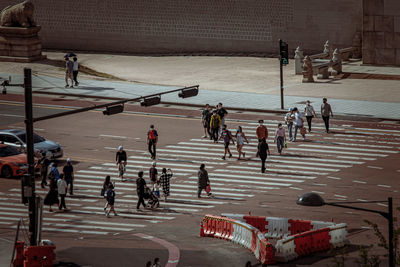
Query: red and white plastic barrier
<point>240,233</point>
<point>296,237</point>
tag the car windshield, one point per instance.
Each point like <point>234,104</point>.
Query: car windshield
<point>7,151</point>
<point>36,138</point>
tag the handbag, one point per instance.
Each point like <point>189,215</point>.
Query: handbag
<point>208,189</point>
<point>285,145</point>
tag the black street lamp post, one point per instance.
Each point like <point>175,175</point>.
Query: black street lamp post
<point>315,200</point>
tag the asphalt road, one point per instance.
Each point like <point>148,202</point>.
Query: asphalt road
<point>358,161</point>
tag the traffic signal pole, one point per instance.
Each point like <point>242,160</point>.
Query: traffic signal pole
<point>281,74</point>
<point>33,229</point>
<point>283,60</point>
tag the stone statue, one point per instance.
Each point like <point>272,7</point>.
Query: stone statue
<point>307,70</point>
<point>19,15</point>
<point>327,48</point>
<point>336,63</point>
<point>298,58</point>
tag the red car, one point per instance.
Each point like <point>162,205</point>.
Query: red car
<point>12,162</point>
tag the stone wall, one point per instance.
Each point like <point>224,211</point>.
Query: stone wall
<point>381,32</point>
<point>185,26</point>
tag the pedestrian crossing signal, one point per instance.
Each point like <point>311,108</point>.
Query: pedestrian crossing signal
<point>284,52</point>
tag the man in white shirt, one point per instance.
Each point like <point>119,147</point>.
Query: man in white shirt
<point>75,71</point>
<point>62,191</point>
<point>298,122</point>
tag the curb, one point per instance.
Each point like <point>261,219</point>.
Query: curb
<point>279,112</point>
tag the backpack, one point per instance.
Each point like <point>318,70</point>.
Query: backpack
<point>152,134</point>
<point>227,136</point>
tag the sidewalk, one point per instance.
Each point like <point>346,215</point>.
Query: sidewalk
<point>240,100</point>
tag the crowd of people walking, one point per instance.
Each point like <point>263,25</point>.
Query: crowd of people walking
<point>215,128</point>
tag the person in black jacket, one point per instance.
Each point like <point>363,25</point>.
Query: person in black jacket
<point>262,152</point>
<point>140,186</point>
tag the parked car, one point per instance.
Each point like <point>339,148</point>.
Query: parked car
<point>16,138</point>
<point>12,162</point>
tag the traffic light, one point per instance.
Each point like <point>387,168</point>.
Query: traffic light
<point>189,92</point>
<point>284,52</point>
<point>113,110</point>
<point>150,101</point>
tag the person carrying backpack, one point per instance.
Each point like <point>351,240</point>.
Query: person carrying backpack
<point>152,139</point>
<point>215,122</point>
<point>226,135</point>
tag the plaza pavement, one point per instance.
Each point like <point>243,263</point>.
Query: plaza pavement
<point>237,82</point>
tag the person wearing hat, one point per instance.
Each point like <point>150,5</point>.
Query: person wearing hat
<point>68,172</point>
<point>289,117</point>
<point>153,173</point>
<point>261,131</point>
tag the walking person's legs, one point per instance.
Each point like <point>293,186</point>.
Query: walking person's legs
<point>279,144</point>
<point>263,165</point>
<point>326,121</point>
<point>215,134</point>
<point>309,119</point>
<point>62,203</point>
<point>295,133</point>
<point>290,128</point>
<point>66,79</point>
<point>150,146</point>
<point>44,177</point>
<point>140,201</point>
<point>75,74</point>
<point>154,150</point>
<point>199,189</point>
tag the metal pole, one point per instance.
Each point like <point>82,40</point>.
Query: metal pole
<point>30,156</point>
<point>281,72</point>
<point>390,220</point>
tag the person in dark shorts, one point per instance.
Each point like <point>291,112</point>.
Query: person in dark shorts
<point>205,120</point>
<point>226,135</point>
<point>110,200</point>
<point>140,186</point>
<point>152,139</point>
<point>68,172</point>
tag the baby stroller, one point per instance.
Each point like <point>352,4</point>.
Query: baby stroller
<point>153,201</point>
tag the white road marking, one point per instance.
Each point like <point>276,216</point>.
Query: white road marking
<point>333,177</point>
<point>113,136</point>
<point>349,148</point>
<point>329,151</point>
<point>246,182</point>
<point>341,196</point>
<point>279,170</point>
<point>266,178</point>
<point>359,182</point>
<point>384,185</point>
<point>375,167</point>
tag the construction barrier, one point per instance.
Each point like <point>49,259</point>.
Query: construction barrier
<point>296,237</point>
<point>240,233</point>
<point>19,256</point>
<point>39,256</point>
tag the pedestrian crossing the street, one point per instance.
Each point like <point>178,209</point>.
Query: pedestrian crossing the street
<point>232,181</point>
